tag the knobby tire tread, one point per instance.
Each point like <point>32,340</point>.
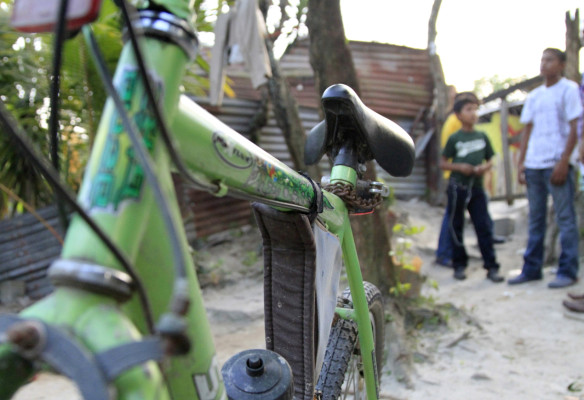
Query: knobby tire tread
<point>343,342</point>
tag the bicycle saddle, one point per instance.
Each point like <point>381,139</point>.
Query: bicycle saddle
<point>350,122</point>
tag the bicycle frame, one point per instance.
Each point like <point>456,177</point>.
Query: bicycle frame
<point>116,195</point>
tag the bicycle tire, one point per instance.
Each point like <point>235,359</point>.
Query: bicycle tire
<point>341,375</point>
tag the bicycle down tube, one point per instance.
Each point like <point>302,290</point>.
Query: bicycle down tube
<point>116,194</point>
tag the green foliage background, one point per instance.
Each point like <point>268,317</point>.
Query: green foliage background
<point>25,78</point>
<point>25,69</point>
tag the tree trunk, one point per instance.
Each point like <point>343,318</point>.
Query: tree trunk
<point>332,63</point>
<point>330,56</point>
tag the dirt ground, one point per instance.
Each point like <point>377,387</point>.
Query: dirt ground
<point>467,340</point>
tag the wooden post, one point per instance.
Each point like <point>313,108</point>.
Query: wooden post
<point>506,156</point>
<point>440,105</point>
<point>572,46</point>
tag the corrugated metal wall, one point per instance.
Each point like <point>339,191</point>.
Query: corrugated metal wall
<point>395,82</point>
<point>27,248</point>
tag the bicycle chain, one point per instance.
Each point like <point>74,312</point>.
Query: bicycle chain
<point>352,200</point>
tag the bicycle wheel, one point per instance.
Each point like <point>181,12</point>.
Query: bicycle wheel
<point>341,375</point>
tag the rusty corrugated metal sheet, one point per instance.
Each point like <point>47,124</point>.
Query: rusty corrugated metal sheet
<point>395,80</point>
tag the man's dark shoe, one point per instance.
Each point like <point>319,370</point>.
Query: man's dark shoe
<point>575,296</point>
<point>493,276</point>
<point>499,239</point>
<point>561,281</point>
<point>576,306</point>
<point>519,279</point>
<point>459,274</point>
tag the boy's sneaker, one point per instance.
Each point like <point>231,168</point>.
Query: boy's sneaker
<point>459,274</point>
<point>493,276</point>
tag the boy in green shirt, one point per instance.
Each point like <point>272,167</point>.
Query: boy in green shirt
<point>467,155</point>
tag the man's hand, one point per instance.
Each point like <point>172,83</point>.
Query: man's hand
<point>560,172</point>
<point>521,174</point>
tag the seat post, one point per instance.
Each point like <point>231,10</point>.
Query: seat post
<point>345,166</point>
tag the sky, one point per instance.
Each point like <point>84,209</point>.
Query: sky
<point>475,39</point>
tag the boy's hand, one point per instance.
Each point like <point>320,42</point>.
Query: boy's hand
<point>480,170</point>
<point>466,169</point>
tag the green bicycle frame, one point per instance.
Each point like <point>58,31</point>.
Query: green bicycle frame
<point>117,196</point>
<point>275,181</point>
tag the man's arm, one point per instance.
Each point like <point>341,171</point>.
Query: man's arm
<point>522,150</point>
<point>562,167</point>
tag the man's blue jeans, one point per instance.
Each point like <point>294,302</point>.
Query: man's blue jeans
<point>538,188</point>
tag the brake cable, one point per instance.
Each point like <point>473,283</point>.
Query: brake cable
<point>59,33</point>
<point>48,171</point>
<point>180,294</point>
<point>148,87</point>
<point>52,175</point>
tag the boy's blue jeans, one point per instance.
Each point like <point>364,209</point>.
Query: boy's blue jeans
<point>538,188</point>
<point>444,250</point>
<point>474,199</point>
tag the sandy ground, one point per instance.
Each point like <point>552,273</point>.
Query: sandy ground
<point>494,341</point>
<point>517,342</point>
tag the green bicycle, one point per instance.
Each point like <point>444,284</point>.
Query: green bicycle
<point>126,319</point>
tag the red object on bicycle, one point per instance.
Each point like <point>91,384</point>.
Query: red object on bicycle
<point>41,15</point>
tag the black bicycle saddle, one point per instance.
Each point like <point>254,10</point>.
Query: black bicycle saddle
<point>371,136</point>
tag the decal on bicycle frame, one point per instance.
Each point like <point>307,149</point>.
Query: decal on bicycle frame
<point>111,188</point>
<point>231,155</point>
<point>208,384</point>
<point>327,204</point>
<point>275,183</point>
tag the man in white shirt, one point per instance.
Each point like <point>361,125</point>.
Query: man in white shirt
<point>551,115</point>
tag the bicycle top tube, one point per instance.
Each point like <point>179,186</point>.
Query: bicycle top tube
<point>243,169</point>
